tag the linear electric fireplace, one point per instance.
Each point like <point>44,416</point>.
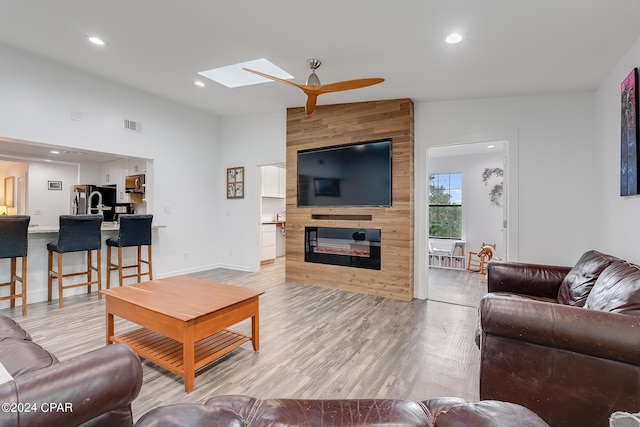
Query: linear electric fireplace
<point>349,247</point>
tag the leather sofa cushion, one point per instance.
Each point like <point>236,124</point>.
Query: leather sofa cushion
<point>577,284</point>
<point>617,290</point>
<point>9,329</point>
<point>487,413</point>
<point>233,410</point>
<point>22,356</point>
<point>362,412</point>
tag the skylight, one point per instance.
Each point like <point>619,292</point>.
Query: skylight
<point>234,75</point>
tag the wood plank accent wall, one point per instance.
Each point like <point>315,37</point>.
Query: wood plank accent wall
<point>339,124</point>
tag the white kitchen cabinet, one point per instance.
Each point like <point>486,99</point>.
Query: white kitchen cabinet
<point>273,182</point>
<point>136,166</point>
<point>268,242</point>
<point>282,178</point>
<point>114,172</point>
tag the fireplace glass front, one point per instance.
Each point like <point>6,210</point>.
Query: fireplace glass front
<point>349,247</point>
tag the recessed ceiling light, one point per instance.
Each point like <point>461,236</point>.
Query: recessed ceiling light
<point>54,152</point>
<point>491,146</point>
<point>198,83</point>
<point>234,75</point>
<point>453,38</point>
<point>96,40</point>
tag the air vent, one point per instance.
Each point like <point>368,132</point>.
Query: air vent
<point>132,125</point>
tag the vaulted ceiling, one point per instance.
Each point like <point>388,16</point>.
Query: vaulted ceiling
<point>510,47</point>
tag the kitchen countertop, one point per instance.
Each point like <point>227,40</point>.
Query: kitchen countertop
<point>274,222</point>
<point>107,226</point>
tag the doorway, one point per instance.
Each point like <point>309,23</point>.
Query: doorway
<point>272,204</point>
<point>474,179</point>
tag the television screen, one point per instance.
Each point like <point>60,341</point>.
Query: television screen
<point>357,175</point>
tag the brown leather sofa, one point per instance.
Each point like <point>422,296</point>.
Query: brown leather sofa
<point>94,389</point>
<point>250,412</point>
<point>563,341</point>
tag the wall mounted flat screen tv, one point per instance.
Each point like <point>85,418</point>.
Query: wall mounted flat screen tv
<point>355,175</point>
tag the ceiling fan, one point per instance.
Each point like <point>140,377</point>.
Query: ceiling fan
<point>313,88</point>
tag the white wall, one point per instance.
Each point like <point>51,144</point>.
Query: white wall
<point>617,224</point>
<point>556,163</point>
<point>250,141</point>
<point>38,96</point>
<point>481,221</point>
<point>46,206</point>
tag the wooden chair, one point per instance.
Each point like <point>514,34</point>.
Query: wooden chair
<point>478,260</point>
<point>13,229</point>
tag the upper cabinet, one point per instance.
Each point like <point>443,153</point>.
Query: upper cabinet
<point>116,171</point>
<point>274,182</point>
<point>136,166</point>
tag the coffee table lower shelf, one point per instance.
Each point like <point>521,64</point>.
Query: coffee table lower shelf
<point>168,353</point>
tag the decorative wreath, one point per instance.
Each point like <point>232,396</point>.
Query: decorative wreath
<point>495,195</point>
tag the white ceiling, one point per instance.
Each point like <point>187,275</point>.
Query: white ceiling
<point>511,47</point>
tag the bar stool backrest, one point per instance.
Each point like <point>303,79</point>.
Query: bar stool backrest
<point>13,235</point>
<point>79,233</point>
<point>135,230</point>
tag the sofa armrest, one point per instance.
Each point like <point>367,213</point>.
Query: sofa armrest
<point>95,388</point>
<point>596,333</point>
<point>528,279</point>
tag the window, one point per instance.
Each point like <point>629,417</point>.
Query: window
<point>445,205</point>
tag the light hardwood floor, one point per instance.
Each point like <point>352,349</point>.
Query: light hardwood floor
<point>456,286</point>
<point>315,343</point>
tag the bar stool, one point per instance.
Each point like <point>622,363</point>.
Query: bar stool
<point>13,234</point>
<point>135,230</point>
<point>77,233</point>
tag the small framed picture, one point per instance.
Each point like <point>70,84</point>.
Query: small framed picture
<point>55,185</point>
<point>235,182</point>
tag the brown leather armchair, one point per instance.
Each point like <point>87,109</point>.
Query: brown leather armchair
<point>561,341</point>
<point>93,389</point>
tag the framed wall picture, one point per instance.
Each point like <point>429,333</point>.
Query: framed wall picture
<point>54,185</point>
<point>629,134</point>
<point>235,183</point>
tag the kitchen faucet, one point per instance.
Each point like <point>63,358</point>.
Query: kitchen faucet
<point>99,207</point>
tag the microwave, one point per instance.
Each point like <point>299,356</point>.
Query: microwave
<point>134,184</point>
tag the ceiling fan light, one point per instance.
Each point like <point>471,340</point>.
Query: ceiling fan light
<point>313,80</point>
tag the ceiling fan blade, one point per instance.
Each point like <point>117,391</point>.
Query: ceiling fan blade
<point>313,92</point>
<point>277,79</point>
<point>311,103</point>
<point>345,85</point>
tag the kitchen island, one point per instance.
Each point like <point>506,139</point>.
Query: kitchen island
<point>38,237</point>
<point>39,229</point>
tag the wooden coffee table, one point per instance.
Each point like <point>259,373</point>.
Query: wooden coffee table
<point>183,321</point>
